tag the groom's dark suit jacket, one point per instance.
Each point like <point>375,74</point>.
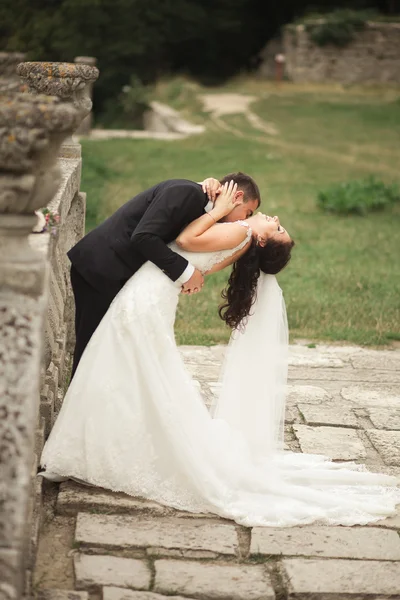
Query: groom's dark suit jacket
<point>139,231</point>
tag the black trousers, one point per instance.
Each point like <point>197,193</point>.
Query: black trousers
<point>90,307</point>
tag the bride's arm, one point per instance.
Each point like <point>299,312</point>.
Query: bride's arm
<point>206,235</point>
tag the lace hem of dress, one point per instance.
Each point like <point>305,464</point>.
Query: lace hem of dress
<point>192,505</point>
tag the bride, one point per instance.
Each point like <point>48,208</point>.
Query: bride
<point>132,421</point>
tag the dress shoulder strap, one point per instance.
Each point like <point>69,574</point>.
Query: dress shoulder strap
<point>242,223</point>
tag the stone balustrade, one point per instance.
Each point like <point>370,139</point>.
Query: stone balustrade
<point>32,130</point>
<point>71,84</point>
<point>36,303</point>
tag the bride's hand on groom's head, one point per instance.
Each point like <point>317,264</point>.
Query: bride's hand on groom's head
<point>227,200</point>
<point>211,187</point>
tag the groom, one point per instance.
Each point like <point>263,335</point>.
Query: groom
<point>104,260</point>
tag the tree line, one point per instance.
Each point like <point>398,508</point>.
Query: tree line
<point>209,40</point>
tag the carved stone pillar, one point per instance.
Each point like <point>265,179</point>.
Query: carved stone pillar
<point>86,125</point>
<point>32,130</point>
<point>69,82</point>
<point>9,80</point>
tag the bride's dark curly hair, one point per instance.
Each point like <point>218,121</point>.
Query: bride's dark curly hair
<point>240,294</point>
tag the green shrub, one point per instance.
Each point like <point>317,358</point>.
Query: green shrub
<point>336,28</point>
<point>358,197</point>
<point>179,92</point>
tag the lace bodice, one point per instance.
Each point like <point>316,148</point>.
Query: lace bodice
<point>204,261</point>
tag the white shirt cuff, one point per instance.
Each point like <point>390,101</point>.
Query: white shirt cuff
<point>186,275</point>
<point>209,206</point>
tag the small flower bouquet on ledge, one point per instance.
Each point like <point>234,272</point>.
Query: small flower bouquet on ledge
<point>47,221</point>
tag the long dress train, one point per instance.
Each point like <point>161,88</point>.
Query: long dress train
<point>133,421</point>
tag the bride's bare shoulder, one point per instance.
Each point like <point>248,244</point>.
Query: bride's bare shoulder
<point>235,231</point>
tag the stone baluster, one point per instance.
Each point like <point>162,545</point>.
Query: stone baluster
<point>32,130</point>
<point>69,82</point>
<point>86,125</point>
<point>9,80</point>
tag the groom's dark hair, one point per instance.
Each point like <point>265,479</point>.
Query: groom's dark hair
<point>246,184</point>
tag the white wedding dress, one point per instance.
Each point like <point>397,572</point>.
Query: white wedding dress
<point>133,421</point>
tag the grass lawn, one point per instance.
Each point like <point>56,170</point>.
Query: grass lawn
<point>343,283</point>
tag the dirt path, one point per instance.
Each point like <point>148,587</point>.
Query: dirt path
<point>222,105</point>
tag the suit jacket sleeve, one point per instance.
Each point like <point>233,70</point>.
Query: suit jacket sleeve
<point>171,209</point>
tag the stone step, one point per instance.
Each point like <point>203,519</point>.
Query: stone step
<point>163,536</point>
<point>385,418</point>
<point>313,579</point>
<point>60,595</point>
<point>212,581</point>
<point>387,443</point>
<point>315,414</point>
<point>342,375</point>
<point>339,443</point>
<point>114,593</point>
<point>74,497</point>
<point>336,542</point>
<point>176,578</point>
<point>93,572</point>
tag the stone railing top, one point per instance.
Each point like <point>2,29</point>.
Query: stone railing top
<point>57,79</point>
<point>70,82</point>
<point>70,170</point>
<point>60,203</point>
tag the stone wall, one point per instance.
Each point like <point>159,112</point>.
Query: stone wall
<point>373,56</point>
<point>58,332</point>
<point>40,165</point>
<point>69,203</point>
<point>31,132</point>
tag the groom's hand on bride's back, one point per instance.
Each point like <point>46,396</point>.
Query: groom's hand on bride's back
<point>194,284</point>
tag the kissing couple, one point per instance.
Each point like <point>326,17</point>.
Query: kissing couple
<point>133,421</point>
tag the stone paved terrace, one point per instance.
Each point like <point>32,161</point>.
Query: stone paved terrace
<point>344,402</point>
